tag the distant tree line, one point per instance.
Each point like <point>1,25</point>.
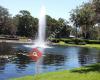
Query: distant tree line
<point>86,19</point>
<point>24,24</point>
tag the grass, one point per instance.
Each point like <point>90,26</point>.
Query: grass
<point>91,72</point>
<point>97,46</point>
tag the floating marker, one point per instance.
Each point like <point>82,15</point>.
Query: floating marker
<point>35,54</point>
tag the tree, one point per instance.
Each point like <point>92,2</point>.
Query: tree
<point>75,18</point>
<point>52,25</point>
<point>26,24</point>
<point>65,30</point>
<point>6,22</point>
<point>96,7</point>
<point>84,17</point>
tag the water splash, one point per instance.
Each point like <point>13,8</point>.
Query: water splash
<point>40,41</point>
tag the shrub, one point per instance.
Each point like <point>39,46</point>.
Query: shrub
<point>55,40</point>
<point>66,40</point>
<point>92,41</point>
<point>76,41</point>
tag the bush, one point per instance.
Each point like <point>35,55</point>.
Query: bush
<point>79,41</point>
<point>92,41</point>
<point>73,41</point>
<point>76,41</point>
<point>66,40</point>
<point>55,40</point>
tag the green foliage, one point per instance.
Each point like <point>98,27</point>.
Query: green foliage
<point>83,17</point>
<point>55,40</point>
<point>76,41</point>
<point>6,22</point>
<point>26,24</point>
<point>92,41</point>
<point>67,40</point>
<point>54,26</point>
<point>96,4</point>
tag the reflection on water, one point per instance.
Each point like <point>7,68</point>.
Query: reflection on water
<point>21,63</point>
<point>5,49</point>
<point>55,58</point>
<point>88,56</point>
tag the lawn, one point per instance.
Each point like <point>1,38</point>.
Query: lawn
<point>91,72</point>
<point>97,46</point>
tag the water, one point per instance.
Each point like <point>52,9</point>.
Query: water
<point>54,59</point>
<point>40,41</point>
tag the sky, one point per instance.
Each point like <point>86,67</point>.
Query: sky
<point>54,8</point>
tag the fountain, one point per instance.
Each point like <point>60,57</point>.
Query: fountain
<point>40,40</point>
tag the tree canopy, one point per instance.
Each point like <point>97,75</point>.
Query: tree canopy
<point>84,17</point>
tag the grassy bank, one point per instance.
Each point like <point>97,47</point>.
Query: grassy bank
<point>84,73</point>
<point>97,46</point>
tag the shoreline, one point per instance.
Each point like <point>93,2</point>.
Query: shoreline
<point>97,46</point>
<point>16,41</point>
<point>91,72</point>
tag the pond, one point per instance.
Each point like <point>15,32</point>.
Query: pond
<point>55,58</point>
